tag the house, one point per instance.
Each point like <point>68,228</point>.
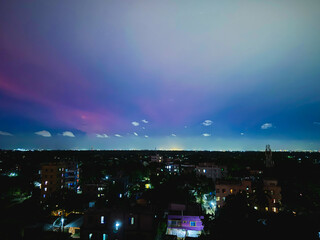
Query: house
<point>136,222</point>
<point>184,221</point>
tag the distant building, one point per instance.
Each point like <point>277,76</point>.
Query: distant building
<point>210,170</point>
<point>269,161</point>
<point>226,188</point>
<point>123,224</point>
<point>184,221</point>
<point>157,158</point>
<point>273,191</point>
<point>58,175</point>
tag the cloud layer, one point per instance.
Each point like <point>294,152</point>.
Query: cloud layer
<point>43,133</point>
<point>266,126</point>
<point>68,134</point>
<point>5,133</point>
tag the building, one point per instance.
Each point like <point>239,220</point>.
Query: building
<point>273,192</point>
<point>52,178</point>
<point>184,221</point>
<point>210,170</point>
<point>157,158</point>
<point>226,188</point>
<point>58,175</point>
<point>269,161</point>
<point>123,224</point>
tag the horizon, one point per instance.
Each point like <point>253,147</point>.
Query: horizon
<point>206,75</point>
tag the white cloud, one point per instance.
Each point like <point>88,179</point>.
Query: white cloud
<point>143,128</point>
<point>146,136</point>
<point>5,133</point>
<point>102,135</point>
<point>173,135</point>
<point>135,124</point>
<point>43,133</point>
<point>316,123</point>
<point>206,134</point>
<point>207,123</point>
<point>117,135</point>
<point>266,126</point>
<point>241,134</point>
<point>136,134</point>
<point>68,134</point>
<point>144,121</point>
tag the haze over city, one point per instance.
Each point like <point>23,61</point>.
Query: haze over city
<point>191,75</point>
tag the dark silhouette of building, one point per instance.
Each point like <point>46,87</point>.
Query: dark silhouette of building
<point>269,162</point>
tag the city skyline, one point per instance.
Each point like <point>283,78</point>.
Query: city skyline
<point>203,75</point>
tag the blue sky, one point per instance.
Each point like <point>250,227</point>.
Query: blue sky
<point>148,74</point>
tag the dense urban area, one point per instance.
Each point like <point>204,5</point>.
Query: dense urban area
<point>157,195</point>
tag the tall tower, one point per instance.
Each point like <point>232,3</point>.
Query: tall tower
<point>269,162</point>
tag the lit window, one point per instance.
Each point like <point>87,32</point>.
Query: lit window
<point>192,223</point>
<point>274,200</point>
<point>102,219</point>
<point>274,209</point>
<point>44,195</point>
<point>131,220</point>
<point>90,236</point>
<point>46,183</point>
<point>105,236</point>
<point>231,190</point>
<point>204,170</point>
<point>45,189</point>
<point>266,208</point>
<point>218,198</point>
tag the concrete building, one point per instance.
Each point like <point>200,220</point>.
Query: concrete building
<point>123,224</point>
<point>273,191</point>
<point>184,221</point>
<point>58,175</point>
<point>210,170</point>
<point>156,158</point>
<point>226,188</point>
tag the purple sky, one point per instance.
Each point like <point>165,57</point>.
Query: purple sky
<point>83,74</point>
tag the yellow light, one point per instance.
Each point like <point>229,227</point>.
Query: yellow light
<point>147,185</point>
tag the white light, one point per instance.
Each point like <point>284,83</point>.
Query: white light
<point>117,226</point>
<point>102,220</point>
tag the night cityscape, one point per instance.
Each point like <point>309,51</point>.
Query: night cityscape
<point>159,120</point>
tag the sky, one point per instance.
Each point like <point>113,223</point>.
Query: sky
<point>193,75</point>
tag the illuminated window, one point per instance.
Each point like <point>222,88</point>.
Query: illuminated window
<point>192,223</point>
<point>45,189</point>
<point>273,200</point>
<point>131,220</point>
<point>218,199</point>
<point>90,236</point>
<point>102,219</point>
<point>231,190</point>
<point>46,183</point>
<point>44,195</point>
<point>204,170</point>
<point>266,208</point>
<point>105,236</point>
<point>274,209</point>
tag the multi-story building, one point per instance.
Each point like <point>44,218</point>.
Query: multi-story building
<point>157,158</point>
<point>184,221</point>
<point>273,192</point>
<point>226,188</point>
<point>52,178</point>
<point>210,170</point>
<point>58,175</point>
<point>134,223</point>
